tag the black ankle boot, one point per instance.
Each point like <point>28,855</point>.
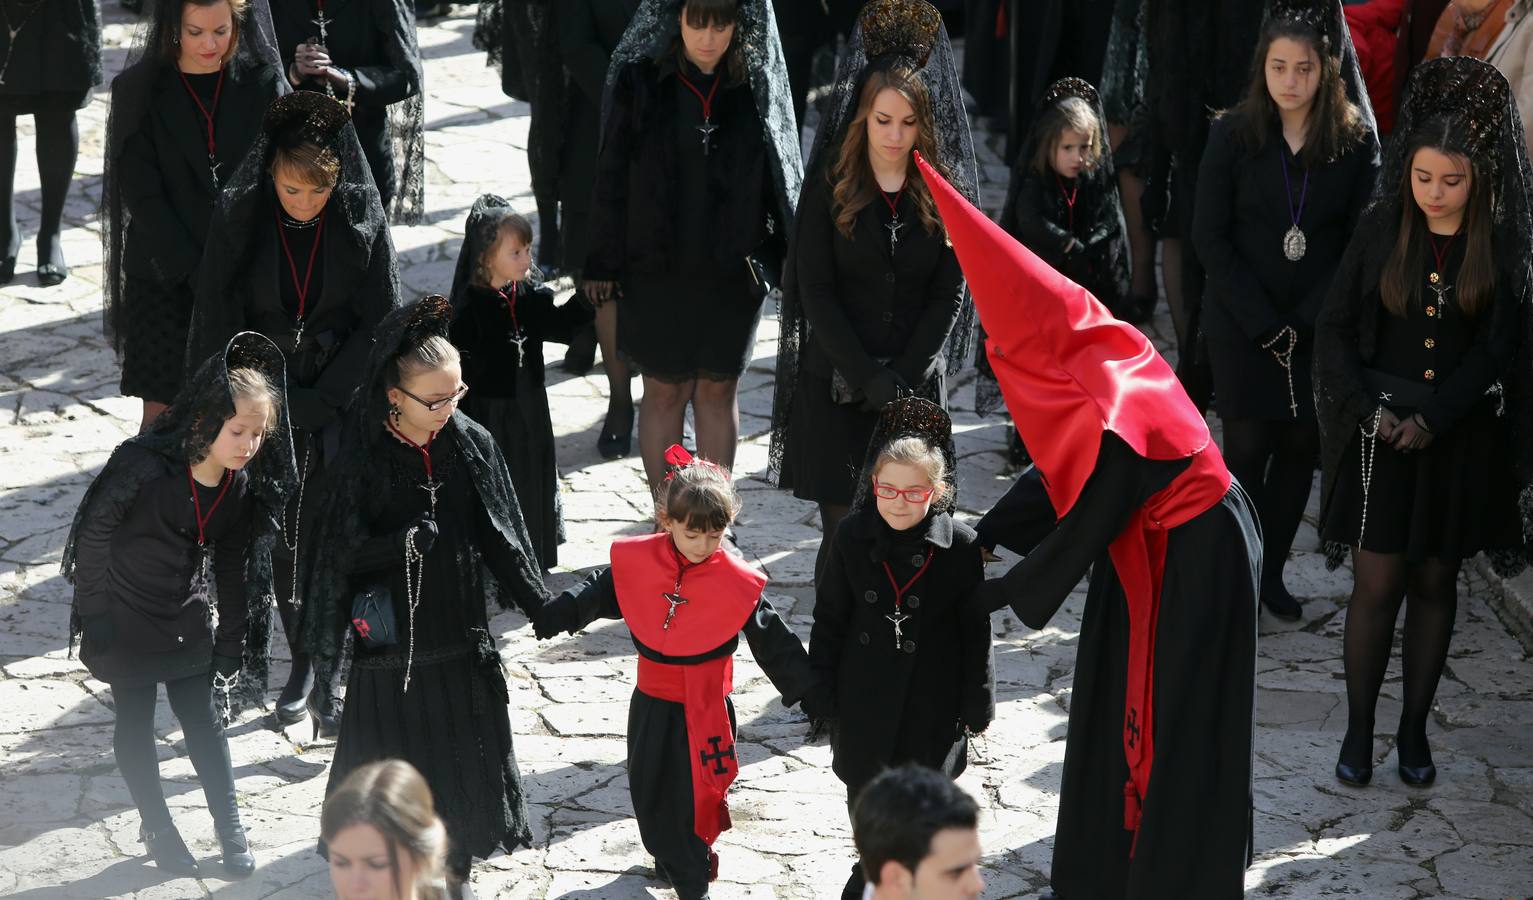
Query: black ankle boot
<point>168,850</point>
<point>238,860</point>
<point>291,707</point>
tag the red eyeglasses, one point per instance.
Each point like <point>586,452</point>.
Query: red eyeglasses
<point>911,495</point>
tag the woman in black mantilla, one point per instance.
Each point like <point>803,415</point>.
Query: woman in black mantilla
<point>1282,183</point>
<point>874,305</point>
<point>1423,413</point>
<point>695,188</point>
<point>170,558</point>
<point>364,54</point>
<point>52,58</point>
<point>420,516</point>
<point>198,79</point>
<point>501,317</point>
<point>299,250</point>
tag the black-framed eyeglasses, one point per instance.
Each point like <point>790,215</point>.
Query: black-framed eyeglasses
<point>434,405</point>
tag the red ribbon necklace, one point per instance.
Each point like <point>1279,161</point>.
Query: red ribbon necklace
<point>207,116</point>
<point>895,224</point>
<point>1069,197</point>
<point>302,287</point>
<point>675,598</point>
<point>707,128</point>
<point>431,486</point>
<point>899,616</point>
<point>517,337</point>
<point>202,520</point>
<point>1435,280</point>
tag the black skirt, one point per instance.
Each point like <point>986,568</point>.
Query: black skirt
<point>44,102</point>
<point>452,726</point>
<point>827,442</point>
<point>1450,501</point>
<point>522,428</point>
<point>154,330</point>
<point>1250,384</point>
<point>677,328</point>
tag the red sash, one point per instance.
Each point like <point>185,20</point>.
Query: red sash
<point>721,592</point>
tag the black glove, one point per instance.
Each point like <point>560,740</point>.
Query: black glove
<point>988,596</point>
<point>883,388</point>
<point>226,665</point>
<point>543,624</point>
<point>425,533</point>
<point>308,410</point>
<point>100,630</point>
<point>819,704</point>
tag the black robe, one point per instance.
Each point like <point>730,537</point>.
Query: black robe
<point>167,187</point>
<point>1044,220</point>
<point>908,700</point>
<point>659,759</point>
<point>56,58</point>
<point>1050,40</point>
<point>1195,833</point>
<point>509,398</point>
<point>369,39</point>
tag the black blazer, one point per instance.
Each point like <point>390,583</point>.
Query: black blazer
<point>163,168</point>
<point>864,304</point>
<point>1238,224</point>
<point>940,679</point>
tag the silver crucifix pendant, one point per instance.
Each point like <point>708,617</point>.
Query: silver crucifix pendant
<point>297,335</point>
<point>898,618</point>
<point>431,487</point>
<point>519,339</point>
<point>707,129</point>
<point>324,27</point>
<point>894,227</point>
<point>213,165</point>
<point>675,600</point>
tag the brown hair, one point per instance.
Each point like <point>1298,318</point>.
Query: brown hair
<point>429,355</point>
<point>170,46</point>
<point>1335,124</point>
<point>308,162</point>
<point>510,225</point>
<point>391,796</point>
<point>1400,281</point>
<point>851,176</point>
<point>252,384</point>
<point>916,452</point>
<point>1073,113</point>
<point>705,14</point>
<point>700,495</point>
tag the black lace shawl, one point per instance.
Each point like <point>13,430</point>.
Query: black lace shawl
<point>956,160</point>
<point>181,436</point>
<point>131,94</point>
<point>357,484</point>
<point>479,233</point>
<point>1346,330</point>
<point>407,121</point>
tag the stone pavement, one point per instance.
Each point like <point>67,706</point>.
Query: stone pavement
<point>68,829</point>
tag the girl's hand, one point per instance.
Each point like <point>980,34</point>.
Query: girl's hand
<point>311,60</point>
<point>1388,423</point>
<point>1412,434</point>
<point>599,292</point>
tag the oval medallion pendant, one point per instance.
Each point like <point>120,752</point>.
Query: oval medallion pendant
<point>1294,244</point>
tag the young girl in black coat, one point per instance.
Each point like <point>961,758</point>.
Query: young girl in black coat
<point>500,322</point>
<point>170,540</point>
<point>904,667</point>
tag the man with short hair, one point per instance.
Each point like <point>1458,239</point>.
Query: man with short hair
<point>917,836</point>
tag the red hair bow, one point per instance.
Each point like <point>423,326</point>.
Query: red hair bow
<point>677,456</point>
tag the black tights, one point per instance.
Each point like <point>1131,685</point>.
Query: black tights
<point>1275,462</point>
<point>831,515</point>
<point>1380,582</point>
<point>191,699</point>
<point>58,144</point>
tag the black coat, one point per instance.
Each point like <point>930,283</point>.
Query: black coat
<point>136,552</point>
<point>57,51</point>
<point>1045,221</point>
<point>641,220</point>
<point>482,332</point>
<point>864,304</point>
<point>906,701</point>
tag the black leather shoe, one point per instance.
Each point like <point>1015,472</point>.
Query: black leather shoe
<point>51,268</point>
<point>612,443</point>
<point>1357,776</point>
<point>168,850</point>
<point>1281,603</point>
<point>1418,776</point>
<point>238,860</point>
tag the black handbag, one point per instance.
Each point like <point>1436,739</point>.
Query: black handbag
<point>1395,392</point>
<point>372,615</point>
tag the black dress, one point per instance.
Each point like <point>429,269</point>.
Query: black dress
<point>676,225</point>
<point>53,59</point>
<point>1458,496</point>
<point>868,309</point>
<point>452,723</point>
<point>167,187</point>
<point>1047,221</point>
<point>507,394</point>
<point>137,550</point>
<point>911,699</point>
<point>1050,40</point>
<point>1195,831</point>
<point>373,40</point>
<point>1243,210</point>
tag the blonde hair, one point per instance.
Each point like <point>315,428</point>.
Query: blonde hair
<point>1072,113</point>
<point>429,355</point>
<point>252,384</point>
<point>392,797</point>
<point>699,495</point>
<point>914,451</point>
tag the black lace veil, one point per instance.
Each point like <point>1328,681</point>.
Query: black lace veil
<point>131,93</point>
<point>407,123</point>
<point>1328,18</point>
<point>479,234</point>
<point>911,417</point>
<point>1481,102</point>
<point>889,32</point>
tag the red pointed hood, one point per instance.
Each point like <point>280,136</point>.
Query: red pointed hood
<point>1067,368</point>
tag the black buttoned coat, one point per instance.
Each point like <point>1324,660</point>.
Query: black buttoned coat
<point>908,701</point>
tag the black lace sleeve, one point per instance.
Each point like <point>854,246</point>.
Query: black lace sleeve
<point>1034,227</point>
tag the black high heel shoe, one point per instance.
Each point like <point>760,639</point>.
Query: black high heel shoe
<point>291,713</point>
<point>1357,776</point>
<point>327,720</point>
<point>613,444</point>
<point>1281,603</point>
<point>1416,776</point>
<point>168,850</point>
<point>51,268</point>
<point>238,860</point>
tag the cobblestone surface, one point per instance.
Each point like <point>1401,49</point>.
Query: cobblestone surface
<point>68,829</point>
